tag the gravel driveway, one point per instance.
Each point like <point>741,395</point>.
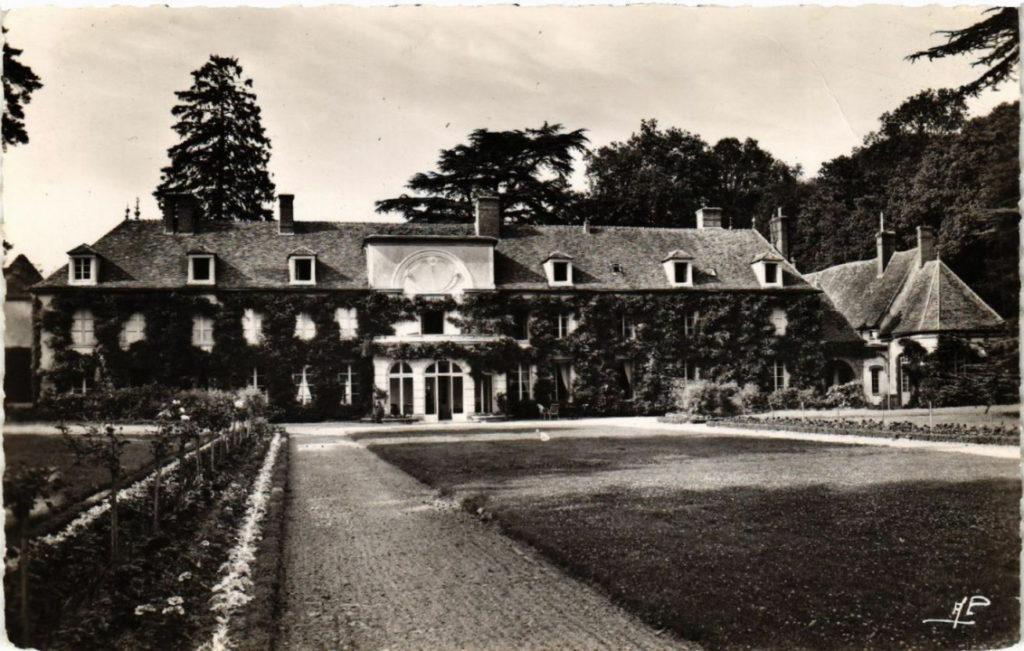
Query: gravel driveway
<point>373,560</point>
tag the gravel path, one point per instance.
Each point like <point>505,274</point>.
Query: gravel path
<point>373,560</point>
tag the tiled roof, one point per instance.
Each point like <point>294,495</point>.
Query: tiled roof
<point>138,254</point>
<point>20,275</point>
<point>908,298</point>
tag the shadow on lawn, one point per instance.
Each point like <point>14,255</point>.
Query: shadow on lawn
<point>813,567</point>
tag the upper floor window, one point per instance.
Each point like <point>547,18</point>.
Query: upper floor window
<point>768,268</point>
<point>83,331</point>
<point>201,269</point>
<point>779,320</point>
<point>558,268</point>
<point>134,329</point>
<point>566,325</point>
<point>305,327</point>
<point>82,270</point>
<point>779,375</point>
<point>432,322</point>
<point>628,328</point>
<point>252,327</point>
<point>348,322</point>
<point>302,269</point>
<point>521,325</point>
<point>202,332</point>
<point>679,268</point>
<point>691,320</point>
<point>771,273</point>
<point>348,381</point>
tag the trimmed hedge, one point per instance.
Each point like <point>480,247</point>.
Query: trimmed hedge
<point>889,429</point>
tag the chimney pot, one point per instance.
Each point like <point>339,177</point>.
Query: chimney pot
<point>488,216</point>
<point>286,218</point>
<point>779,227</point>
<point>709,218</point>
<point>925,244</point>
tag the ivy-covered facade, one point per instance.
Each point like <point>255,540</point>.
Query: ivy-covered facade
<point>428,321</point>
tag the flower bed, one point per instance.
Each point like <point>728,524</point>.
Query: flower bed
<point>951,432</point>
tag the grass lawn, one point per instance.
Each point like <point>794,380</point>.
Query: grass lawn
<point>738,542</point>
<point>82,480</point>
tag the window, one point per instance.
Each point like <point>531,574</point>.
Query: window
<point>348,381</point>
<point>305,327</point>
<point>521,326</point>
<point>904,376</point>
<point>252,327</point>
<point>778,375</point>
<point>563,382</point>
<point>82,270</point>
<point>348,323</point>
<point>876,380</point>
<point>82,385</point>
<point>681,273</point>
<point>519,383</point>
<point>303,381</point>
<point>200,269</point>
<point>626,370</point>
<point>616,268</point>
<point>134,329</point>
<point>443,388</point>
<point>628,328</point>
<point>691,372</point>
<point>779,320</point>
<point>400,389</point>
<point>432,322</point>
<point>83,331</point>
<point>560,271</point>
<point>691,319</point>
<point>255,380</point>
<point>565,325</point>
<point>302,269</point>
<point>202,332</point>
<point>771,273</point>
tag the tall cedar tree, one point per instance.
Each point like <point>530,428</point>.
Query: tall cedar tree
<point>19,84</point>
<point>222,157</point>
<point>528,168</point>
<point>997,38</point>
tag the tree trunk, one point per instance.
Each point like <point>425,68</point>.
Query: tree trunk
<point>26,622</point>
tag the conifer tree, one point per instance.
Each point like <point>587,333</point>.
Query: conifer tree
<point>222,156</point>
<point>19,83</point>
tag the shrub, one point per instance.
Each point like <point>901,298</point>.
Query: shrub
<point>707,398</point>
<point>752,399</point>
<point>124,404</point>
<point>845,396</point>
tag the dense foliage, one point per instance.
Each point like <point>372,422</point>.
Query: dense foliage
<point>527,168</point>
<point>19,83</point>
<point>222,156</point>
<point>733,340</point>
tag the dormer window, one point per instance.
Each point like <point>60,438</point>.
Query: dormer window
<point>302,268</point>
<point>201,269</point>
<point>83,266</point>
<point>558,268</point>
<point>768,267</point>
<point>679,268</point>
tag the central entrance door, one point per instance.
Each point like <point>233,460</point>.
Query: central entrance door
<point>443,381</point>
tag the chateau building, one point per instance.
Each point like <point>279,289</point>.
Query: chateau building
<point>455,321</point>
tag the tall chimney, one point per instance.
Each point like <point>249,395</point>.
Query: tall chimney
<point>170,224</point>
<point>187,211</point>
<point>709,218</point>
<point>488,216</point>
<point>286,220</point>
<point>885,244</point>
<point>779,227</point>
<point>925,245</point>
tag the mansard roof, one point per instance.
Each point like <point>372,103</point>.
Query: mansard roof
<point>908,298</point>
<point>253,255</point>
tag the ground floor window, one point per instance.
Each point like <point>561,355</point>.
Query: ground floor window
<point>519,383</point>
<point>443,386</point>
<point>876,380</point>
<point>255,380</point>
<point>904,376</point>
<point>484,394</point>
<point>779,375</point>
<point>563,382</point>
<point>691,372</point>
<point>303,386</point>
<point>626,370</point>
<point>348,381</point>
<point>400,389</point>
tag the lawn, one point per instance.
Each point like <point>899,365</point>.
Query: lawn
<point>83,479</point>
<point>737,542</point>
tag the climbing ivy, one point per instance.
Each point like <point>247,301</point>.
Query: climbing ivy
<point>734,340</point>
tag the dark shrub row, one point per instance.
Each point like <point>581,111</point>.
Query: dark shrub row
<point>889,429</point>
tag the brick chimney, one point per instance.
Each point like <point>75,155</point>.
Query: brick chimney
<point>170,225</point>
<point>925,245</point>
<point>779,227</point>
<point>709,218</point>
<point>885,243</point>
<point>488,216</point>
<point>286,218</point>
<point>186,210</point>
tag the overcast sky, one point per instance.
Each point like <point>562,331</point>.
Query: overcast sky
<point>356,100</point>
